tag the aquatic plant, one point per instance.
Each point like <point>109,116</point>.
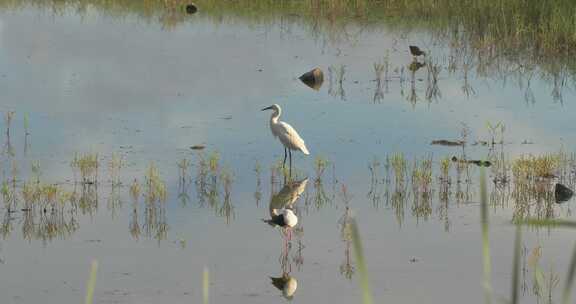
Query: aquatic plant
<point>399,165</point>
<point>114,166</point>
<point>258,192</point>
<point>87,166</point>
<point>155,186</point>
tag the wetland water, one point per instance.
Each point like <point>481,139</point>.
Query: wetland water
<point>145,90</point>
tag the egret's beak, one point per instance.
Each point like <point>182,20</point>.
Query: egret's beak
<point>267,108</point>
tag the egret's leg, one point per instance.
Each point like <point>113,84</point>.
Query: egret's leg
<point>290,154</point>
<point>285,155</point>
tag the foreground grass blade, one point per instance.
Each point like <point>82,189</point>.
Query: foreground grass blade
<point>205,285</point>
<point>91,283</point>
<point>516,265</point>
<point>486,263</point>
<point>361,262</point>
<point>569,279</point>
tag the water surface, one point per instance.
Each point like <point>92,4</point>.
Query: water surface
<point>95,82</point>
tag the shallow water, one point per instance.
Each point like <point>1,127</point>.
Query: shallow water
<point>97,83</point>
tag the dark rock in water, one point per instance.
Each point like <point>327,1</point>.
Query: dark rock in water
<point>313,78</point>
<point>562,193</point>
<point>198,147</point>
<point>191,8</point>
<point>449,143</point>
<point>480,163</point>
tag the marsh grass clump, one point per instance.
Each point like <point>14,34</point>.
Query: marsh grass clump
<point>8,116</point>
<point>135,190</point>
<point>86,165</point>
<point>226,210</point>
<point>320,197</point>
<point>155,194</point>
<point>433,92</point>
<point>184,180</point>
<point>421,187</point>
<point>155,186</point>
<point>375,191</point>
<point>201,180</point>
<point>532,168</point>
<point>134,225</point>
<point>533,177</point>
<point>114,166</point>
<point>258,192</point>
<point>381,73</point>
<point>445,164</point>
<point>347,267</point>
<point>213,163</point>
<point>399,166</point>
<point>183,168</point>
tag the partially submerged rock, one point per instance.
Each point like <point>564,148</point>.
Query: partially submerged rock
<point>191,8</point>
<point>562,193</point>
<point>313,78</point>
<point>449,143</point>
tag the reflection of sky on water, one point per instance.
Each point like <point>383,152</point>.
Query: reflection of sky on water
<point>103,85</point>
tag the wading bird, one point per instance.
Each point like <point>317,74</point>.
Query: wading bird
<point>416,51</point>
<point>286,134</point>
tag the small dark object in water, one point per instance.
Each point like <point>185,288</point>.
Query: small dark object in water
<point>416,51</point>
<point>313,78</point>
<point>191,8</point>
<point>450,143</point>
<point>562,193</point>
<point>26,209</point>
<point>480,142</point>
<point>198,147</point>
<point>479,163</point>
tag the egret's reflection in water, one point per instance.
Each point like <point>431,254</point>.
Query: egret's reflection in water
<point>282,214</point>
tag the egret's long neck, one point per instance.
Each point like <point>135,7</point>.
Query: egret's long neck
<point>274,117</point>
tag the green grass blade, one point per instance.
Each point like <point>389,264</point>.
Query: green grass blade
<point>486,263</point>
<point>570,279</point>
<point>516,265</point>
<point>361,262</point>
<point>91,283</point>
<point>205,285</point>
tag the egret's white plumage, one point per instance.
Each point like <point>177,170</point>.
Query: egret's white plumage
<point>284,217</point>
<point>285,133</point>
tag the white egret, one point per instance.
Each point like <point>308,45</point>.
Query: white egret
<point>286,134</point>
